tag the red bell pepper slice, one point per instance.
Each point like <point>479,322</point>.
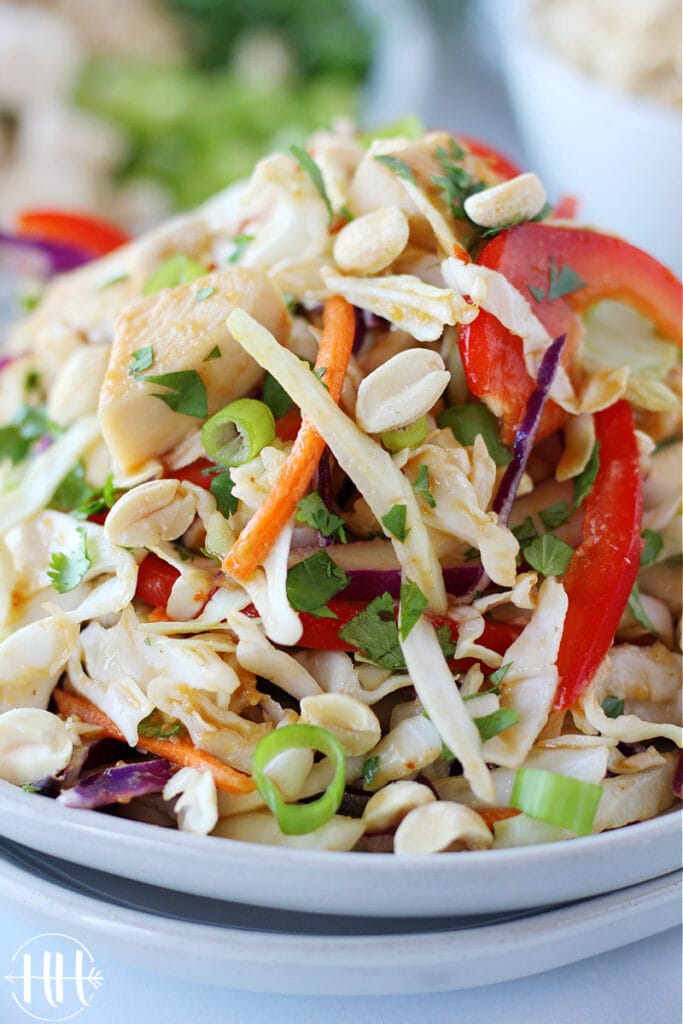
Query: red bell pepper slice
<point>91,234</point>
<point>200,473</point>
<point>604,567</point>
<point>155,581</point>
<point>493,357</point>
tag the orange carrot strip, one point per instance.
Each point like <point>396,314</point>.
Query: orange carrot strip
<point>493,814</point>
<point>257,538</point>
<point>178,751</point>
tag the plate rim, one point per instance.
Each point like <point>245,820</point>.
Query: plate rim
<point>89,838</point>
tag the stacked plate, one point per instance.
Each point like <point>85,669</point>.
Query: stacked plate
<point>293,921</point>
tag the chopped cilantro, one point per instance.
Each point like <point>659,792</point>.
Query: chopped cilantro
<point>30,300</point>
<point>413,603</point>
<point>221,487</point>
<point>555,515</point>
<point>204,293</point>
<point>310,167</point>
<point>16,439</point>
<point>446,641</point>
<point>312,582</point>
<point>215,353</point>
<point>275,396</point>
<point>498,721</point>
<point>240,242</point>
<point>141,361</point>
<point>370,769</point>
<point>32,381</point>
<point>67,571</point>
<point>586,478</point>
<point>466,421</point>
<point>186,395</point>
<point>73,491</point>
<point>421,486</point>
<point>560,282</point>
<point>400,168</point>
<point>525,532</point>
<point>374,632</point>
<point>313,511</point>
<point>158,726</point>
<point>652,548</point>
<point>635,606</point>
<point>548,555</point>
<point>456,183</point>
<point>395,522</point>
<point>613,706</point>
<point>497,677</point>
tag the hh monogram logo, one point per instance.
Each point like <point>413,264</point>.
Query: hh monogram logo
<point>53,977</point>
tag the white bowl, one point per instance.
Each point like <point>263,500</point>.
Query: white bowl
<point>619,154</point>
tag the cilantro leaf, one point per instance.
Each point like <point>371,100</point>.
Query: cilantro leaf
<point>586,478</point>
<point>275,396</point>
<point>221,487</point>
<point>421,486</point>
<point>395,522</point>
<point>413,603</point>
<point>312,582</point>
<point>240,242</point>
<point>456,183</point>
<point>310,167</point>
<point>555,515</point>
<point>563,281</point>
<point>525,532</point>
<point>635,606</point>
<point>142,360</point>
<point>497,677</point>
<point>374,632</point>
<point>204,293</point>
<point>548,555</point>
<point>400,168</point>
<point>67,571</point>
<point>466,421</point>
<point>654,543</point>
<point>498,721</point>
<point>560,282</point>
<point>29,424</point>
<point>313,511</point>
<point>612,706</point>
<point>186,395</point>
<point>215,353</point>
<point>158,726</point>
<point>370,769</point>
<point>73,491</point>
<point>446,641</point>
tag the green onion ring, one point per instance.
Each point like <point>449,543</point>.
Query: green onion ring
<point>298,819</point>
<point>409,436</point>
<point>557,799</point>
<point>176,270</point>
<point>238,432</point>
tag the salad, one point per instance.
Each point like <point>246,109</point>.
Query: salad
<point>345,512</point>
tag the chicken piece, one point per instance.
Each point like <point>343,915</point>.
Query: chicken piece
<point>183,333</point>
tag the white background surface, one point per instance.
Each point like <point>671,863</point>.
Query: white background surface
<point>640,982</point>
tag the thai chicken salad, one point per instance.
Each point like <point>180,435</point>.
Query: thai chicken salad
<point>345,511</point>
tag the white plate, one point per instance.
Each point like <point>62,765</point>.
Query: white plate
<point>292,953</point>
<point>491,881</point>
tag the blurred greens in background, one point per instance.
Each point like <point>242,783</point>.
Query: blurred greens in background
<point>255,73</point>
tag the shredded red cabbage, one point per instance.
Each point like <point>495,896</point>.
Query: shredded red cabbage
<point>46,258</point>
<point>120,782</point>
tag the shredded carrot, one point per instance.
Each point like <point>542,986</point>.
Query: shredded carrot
<point>158,615</point>
<point>179,751</point>
<point>493,814</point>
<point>259,535</point>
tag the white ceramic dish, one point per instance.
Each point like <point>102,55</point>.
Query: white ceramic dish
<point>286,956</point>
<point>491,881</point>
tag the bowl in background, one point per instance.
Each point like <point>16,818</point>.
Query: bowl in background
<point>618,154</point>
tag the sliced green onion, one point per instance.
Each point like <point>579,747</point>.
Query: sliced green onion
<point>557,799</point>
<point>298,819</point>
<point>409,436</point>
<point>172,272</point>
<point>238,432</point>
